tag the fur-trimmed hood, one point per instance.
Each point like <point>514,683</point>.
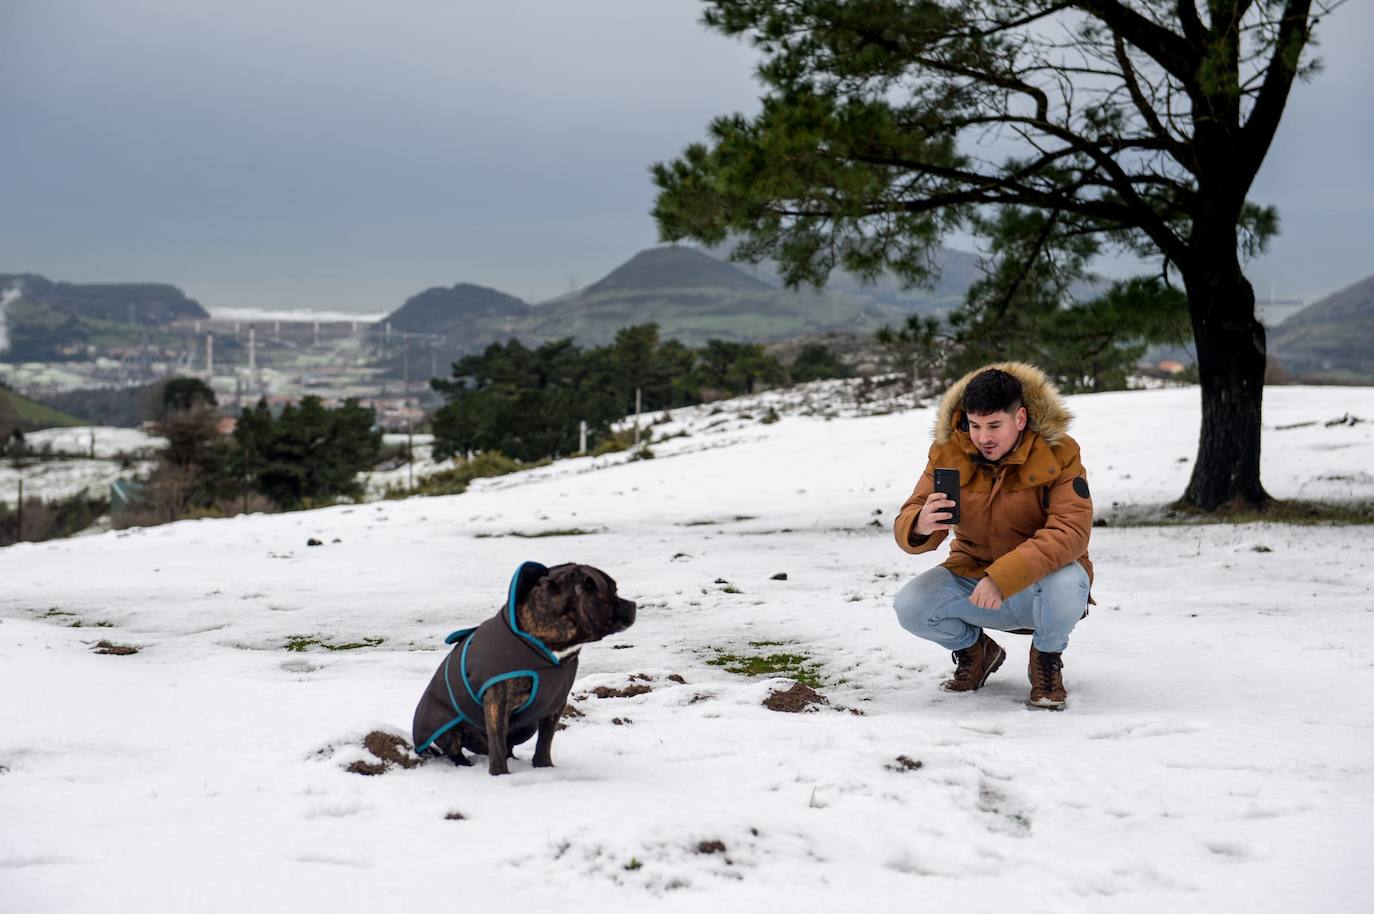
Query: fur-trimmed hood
<point>1045,410</point>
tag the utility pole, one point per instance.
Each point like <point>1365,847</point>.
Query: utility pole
<point>582,438</point>
<point>209,358</point>
<point>253,357</point>
<point>410,454</point>
<point>638,403</point>
<point>19,514</point>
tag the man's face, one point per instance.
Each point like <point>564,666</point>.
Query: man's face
<point>994,434</point>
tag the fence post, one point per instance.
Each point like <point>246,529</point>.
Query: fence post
<point>19,515</point>
<point>582,437</point>
<point>638,401</point>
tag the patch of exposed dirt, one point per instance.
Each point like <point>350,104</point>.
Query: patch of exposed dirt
<point>710,847</point>
<point>367,768</point>
<point>629,691</point>
<point>119,650</point>
<point>570,712</point>
<point>454,816</point>
<point>676,677</point>
<point>795,700</point>
<point>389,749</point>
<point>904,763</point>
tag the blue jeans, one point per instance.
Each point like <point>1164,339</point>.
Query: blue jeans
<point>935,606</point>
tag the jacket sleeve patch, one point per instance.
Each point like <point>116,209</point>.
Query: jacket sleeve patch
<point>1080,485</point>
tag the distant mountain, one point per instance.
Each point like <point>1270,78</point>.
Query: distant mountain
<point>691,294</point>
<point>674,267</point>
<point>693,297</point>
<point>45,320</point>
<point>134,303</point>
<point>1331,339</point>
<point>461,311</point>
<point>956,271</point>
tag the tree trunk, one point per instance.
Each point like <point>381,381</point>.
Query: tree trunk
<point>1231,359</point>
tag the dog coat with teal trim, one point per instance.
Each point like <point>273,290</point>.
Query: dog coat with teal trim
<point>493,652</point>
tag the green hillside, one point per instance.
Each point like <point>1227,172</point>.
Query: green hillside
<point>51,321</point>
<point>29,415</point>
<point>690,294</point>
<point>1331,339</point>
<point>463,310</point>
<point>141,303</point>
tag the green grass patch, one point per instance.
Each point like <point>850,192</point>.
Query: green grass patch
<point>456,480</point>
<point>30,415</point>
<point>1278,511</point>
<point>622,440</point>
<point>302,643</point>
<point>797,666</point>
<point>566,531</point>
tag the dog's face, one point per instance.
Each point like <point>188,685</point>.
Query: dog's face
<point>574,604</point>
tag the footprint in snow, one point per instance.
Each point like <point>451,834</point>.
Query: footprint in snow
<point>1149,728</point>
<point>1007,815</point>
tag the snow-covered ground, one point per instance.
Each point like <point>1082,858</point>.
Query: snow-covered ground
<point>1216,754</point>
<point>119,453</point>
<point>108,442</point>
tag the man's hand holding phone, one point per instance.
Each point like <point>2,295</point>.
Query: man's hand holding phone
<point>934,515</point>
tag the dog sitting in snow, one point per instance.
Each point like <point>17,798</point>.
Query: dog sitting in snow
<point>509,677</point>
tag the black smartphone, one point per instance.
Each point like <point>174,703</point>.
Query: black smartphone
<point>947,484</point>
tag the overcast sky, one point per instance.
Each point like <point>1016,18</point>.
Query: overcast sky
<point>346,154</point>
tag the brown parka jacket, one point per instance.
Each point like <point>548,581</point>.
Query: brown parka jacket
<point>1021,517</point>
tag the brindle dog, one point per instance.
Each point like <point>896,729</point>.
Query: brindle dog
<point>569,606</point>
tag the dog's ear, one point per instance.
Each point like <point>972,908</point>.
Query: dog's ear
<point>591,580</point>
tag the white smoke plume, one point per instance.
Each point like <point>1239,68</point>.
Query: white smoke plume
<point>8,297</point>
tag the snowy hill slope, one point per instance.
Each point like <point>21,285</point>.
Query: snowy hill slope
<point>1215,755</point>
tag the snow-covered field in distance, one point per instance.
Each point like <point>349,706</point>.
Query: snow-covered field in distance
<point>120,453</point>
<point>1216,754</point>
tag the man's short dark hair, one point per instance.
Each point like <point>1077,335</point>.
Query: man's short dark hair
<point>992,391</point>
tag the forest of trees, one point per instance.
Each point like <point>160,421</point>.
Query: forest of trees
<point>529,403</point>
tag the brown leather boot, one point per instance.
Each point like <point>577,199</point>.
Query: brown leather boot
<point>974,664</point>
<point>1047,682</point>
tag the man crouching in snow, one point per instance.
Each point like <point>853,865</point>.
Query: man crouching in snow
<point>1019,561</point>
